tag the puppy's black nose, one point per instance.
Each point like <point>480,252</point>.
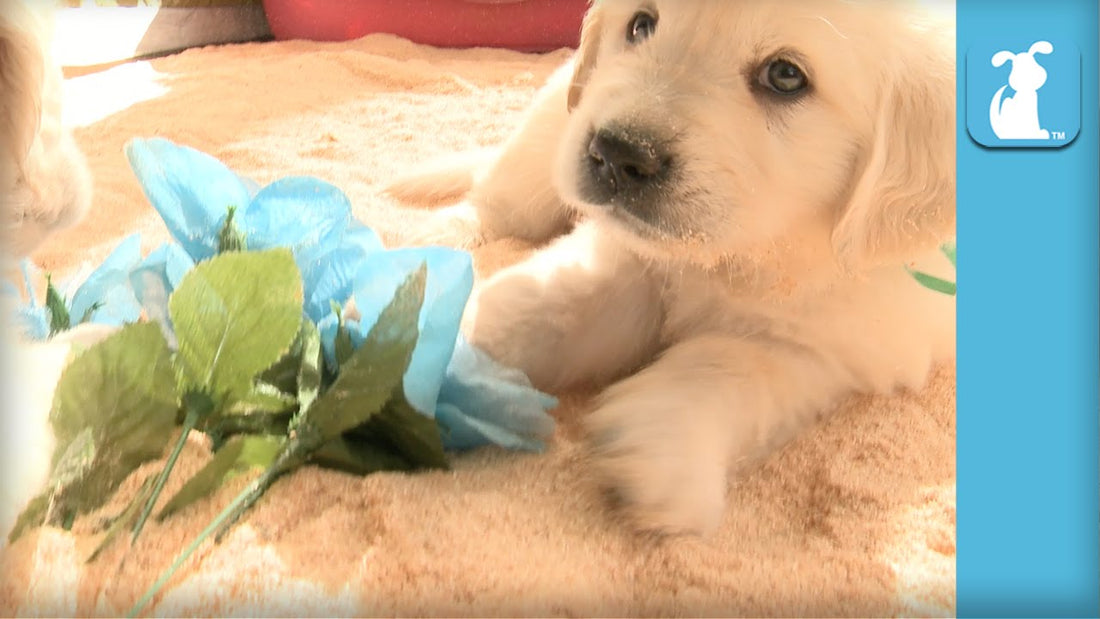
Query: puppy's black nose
<point>623,164</point>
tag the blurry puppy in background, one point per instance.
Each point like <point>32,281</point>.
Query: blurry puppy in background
<point>44,186</point>
<point>44,180</point>
<point>733,190</point>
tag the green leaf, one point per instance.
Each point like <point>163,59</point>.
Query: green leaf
<point>240,455</point>
<point>75,461</point>
<point>283,374</point>
<point>229,237</point>
<point>344,348</point>
<point>309,371</point>
<point>59,311</point>
<point>948,250</point>
<point>413,435</point>
<point>264,398</point>
<point>273,424</point>
<point>33,515</point>
<point>114,408</point>
<point>92,309</point>
<point>359,455</point>
<point>363,387</point>
<point>235,315</point>
<point>369,378</point>
<point>933,283</point>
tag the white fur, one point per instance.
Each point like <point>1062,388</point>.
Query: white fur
<point>775,282</point>
<point>44,186</point>
<point>44,181</point>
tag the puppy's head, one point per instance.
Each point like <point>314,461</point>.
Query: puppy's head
<point>721,128</point>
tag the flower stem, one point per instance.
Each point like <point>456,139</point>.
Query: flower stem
<point>290,457</point>
<point>198,406</point>
<point>294,453</point>
<point>124,519</point>
<point>247,495</point>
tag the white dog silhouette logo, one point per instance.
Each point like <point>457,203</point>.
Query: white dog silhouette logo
<point>1017,117</point>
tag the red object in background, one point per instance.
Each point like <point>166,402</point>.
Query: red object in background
<point>523,25</point>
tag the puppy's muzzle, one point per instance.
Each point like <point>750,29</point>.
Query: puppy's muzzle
<point>621,163</point>
<point>627,169</point>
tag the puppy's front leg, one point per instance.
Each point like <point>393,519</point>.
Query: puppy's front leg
<point>579,312</point>
<point>516,195</point>
<point>508,191</point>
<point>663,440</point>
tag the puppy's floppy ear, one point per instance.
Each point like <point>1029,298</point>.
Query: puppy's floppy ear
<point>586,54</point>
<point>22,71</point>
<point>1002,57</point>
<point>904,195</point>
<point>1041,47</point>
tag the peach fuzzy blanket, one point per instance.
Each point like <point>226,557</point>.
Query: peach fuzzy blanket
<point>857,517</point>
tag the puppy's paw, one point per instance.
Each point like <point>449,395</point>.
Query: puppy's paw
<point>440,181</point>
<point>455,226</point>
<point>429,190</point>
<point>655,471</point>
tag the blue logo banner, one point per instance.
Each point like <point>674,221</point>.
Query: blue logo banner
<point>1028,206</point>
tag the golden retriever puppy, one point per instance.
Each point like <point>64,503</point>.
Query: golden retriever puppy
<point>741,186</point>
<point>44,180</point>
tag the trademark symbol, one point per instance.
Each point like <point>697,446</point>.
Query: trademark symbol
<point>1057,135</point>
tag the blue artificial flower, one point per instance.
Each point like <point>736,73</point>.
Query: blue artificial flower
<point>32,317</point>
<point>191,190</point>
<point>106,292</point>
<point>449,282</point>
<point>481,401</point>
<point>473,399</point>
<point>154,280</point>
<point>103,297</point>
<point>193,193</point>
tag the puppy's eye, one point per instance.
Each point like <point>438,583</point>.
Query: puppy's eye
<point>783,77</point>
<point>641,27</point>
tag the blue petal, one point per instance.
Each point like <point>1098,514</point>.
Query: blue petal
<point>109,287</point>
<point>492,403</point>
<point>296,212</point>
<point>32,320</point>
<point>155,279</point>
<point>450,279</point>
<point>191,190</point>
<point>177,264</point>
<point>27,268</point>
<point>328,272</point>
<point>461,432</point>
<point>252,186</point>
